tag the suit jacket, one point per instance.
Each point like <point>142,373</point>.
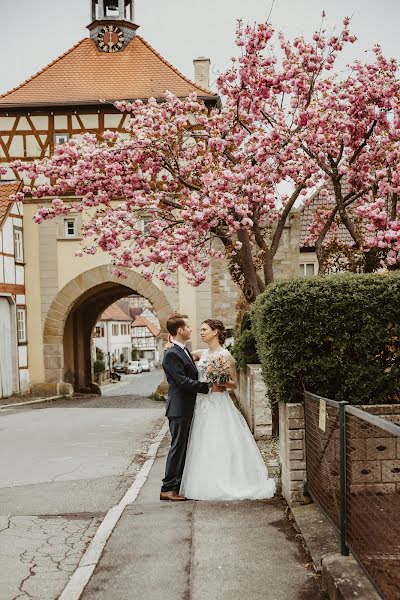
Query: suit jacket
<point>182,377</point>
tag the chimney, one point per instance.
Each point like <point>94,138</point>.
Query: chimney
<point>202,72</point>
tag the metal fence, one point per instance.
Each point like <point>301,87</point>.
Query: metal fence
<point>353,473</point>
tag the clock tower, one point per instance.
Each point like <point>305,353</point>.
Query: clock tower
<point>112,26</point>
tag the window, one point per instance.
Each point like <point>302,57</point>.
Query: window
<point>21,325</point>
<point>99,331</point>
<point>18,244</point>
<point>307,269</point>
<point>114,329</point>
<point>69,228</point>
<point>139,332</point>
<point>124,329</point>
<point>60,138</point>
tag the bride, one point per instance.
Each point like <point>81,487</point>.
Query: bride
<point>223,461</point>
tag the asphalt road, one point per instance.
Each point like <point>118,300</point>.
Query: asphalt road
<point>62,466</point>
<point>143,384</point>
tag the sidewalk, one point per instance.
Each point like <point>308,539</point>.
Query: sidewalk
<point>202,550</point>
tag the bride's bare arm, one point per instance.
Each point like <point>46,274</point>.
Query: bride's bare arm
<point>232,384</point>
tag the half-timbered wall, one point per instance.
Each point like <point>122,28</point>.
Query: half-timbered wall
<point>28,136</point>
<point>12,287</point>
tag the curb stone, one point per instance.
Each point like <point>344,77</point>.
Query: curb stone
<point>342,576</point>
<point>37,401</point>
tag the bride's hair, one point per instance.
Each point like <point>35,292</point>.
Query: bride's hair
<point>218,325</point>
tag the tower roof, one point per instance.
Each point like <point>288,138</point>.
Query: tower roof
<point>83,75</point>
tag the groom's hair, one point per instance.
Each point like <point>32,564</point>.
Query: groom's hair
<point>174,321</point>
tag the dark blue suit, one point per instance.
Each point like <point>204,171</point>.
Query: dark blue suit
<point>184,386</point>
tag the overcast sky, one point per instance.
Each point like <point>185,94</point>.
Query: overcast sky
<point>35,32</point>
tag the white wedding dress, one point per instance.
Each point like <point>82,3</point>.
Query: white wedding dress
<point>223,461</point>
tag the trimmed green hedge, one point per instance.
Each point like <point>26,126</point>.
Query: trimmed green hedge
<point>244,347</point>
<point>337,336</point>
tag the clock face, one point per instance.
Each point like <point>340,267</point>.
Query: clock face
<point>110,39</point>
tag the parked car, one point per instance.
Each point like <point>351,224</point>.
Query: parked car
<point>134,366</point>
<point>119,368</point>
<point>145,364</point>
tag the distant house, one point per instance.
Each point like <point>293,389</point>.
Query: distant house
<point>14,370</point>
<point>146,338</point>
<point>112,335</point>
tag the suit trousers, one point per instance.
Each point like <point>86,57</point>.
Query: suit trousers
<point>179,428</point>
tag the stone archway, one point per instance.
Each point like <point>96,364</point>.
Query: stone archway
<point>73,313</point>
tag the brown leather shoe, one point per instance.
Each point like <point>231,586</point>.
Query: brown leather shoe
<point>172,496</point>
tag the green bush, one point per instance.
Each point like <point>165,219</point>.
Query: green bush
<point>244,347</point>
<point>99,366</point>
<point>337,336</point>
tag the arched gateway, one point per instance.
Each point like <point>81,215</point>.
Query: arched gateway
<point>73,313</point>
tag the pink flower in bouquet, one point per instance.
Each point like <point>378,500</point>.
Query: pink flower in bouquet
<point>218,370</point>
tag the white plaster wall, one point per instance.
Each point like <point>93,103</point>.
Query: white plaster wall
<point>24,380</point>
<point>17,146</point>
<point>6,123</point>
<point>9,269</point>
<point>32,146</point>
<point>8,237</point>
<point>41,122</point>
<point>23,124</point>
<point>19,275</point>
<point>111,121</point>
<point>60,122</point>
<point>23,356</point>
<point>90,121</point>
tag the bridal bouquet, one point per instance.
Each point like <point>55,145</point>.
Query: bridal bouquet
<point>218,370</point>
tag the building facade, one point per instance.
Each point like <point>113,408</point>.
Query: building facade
<point>146,338</point>
<point>112,335</point>
<point>14,367</point>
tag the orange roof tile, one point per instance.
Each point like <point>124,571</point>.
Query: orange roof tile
<point>114,313</point>
<point>143,322</point>
<point>6,189</point>
<point>85,75</point>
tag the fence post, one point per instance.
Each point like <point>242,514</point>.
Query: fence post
<point>343,493</point>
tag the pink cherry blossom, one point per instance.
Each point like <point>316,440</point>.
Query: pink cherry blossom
<point>190,184</point>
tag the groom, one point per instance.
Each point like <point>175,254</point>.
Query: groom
<point>182,376</point>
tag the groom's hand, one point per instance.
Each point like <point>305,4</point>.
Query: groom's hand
<point>218,388</point>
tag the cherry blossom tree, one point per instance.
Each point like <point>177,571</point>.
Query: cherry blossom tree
<point>353,134</point>
<point>190,184</point>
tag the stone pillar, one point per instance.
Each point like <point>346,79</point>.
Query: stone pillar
<point>253,400</point>
<point>202,71</point>
<point>262,416</point>
<point>292,453</point>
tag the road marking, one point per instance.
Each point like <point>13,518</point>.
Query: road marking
<point>91,557</point>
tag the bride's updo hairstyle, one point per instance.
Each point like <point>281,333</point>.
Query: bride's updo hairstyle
<point>214,324</point>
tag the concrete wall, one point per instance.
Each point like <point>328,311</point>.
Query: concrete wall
<point>253,401</point>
